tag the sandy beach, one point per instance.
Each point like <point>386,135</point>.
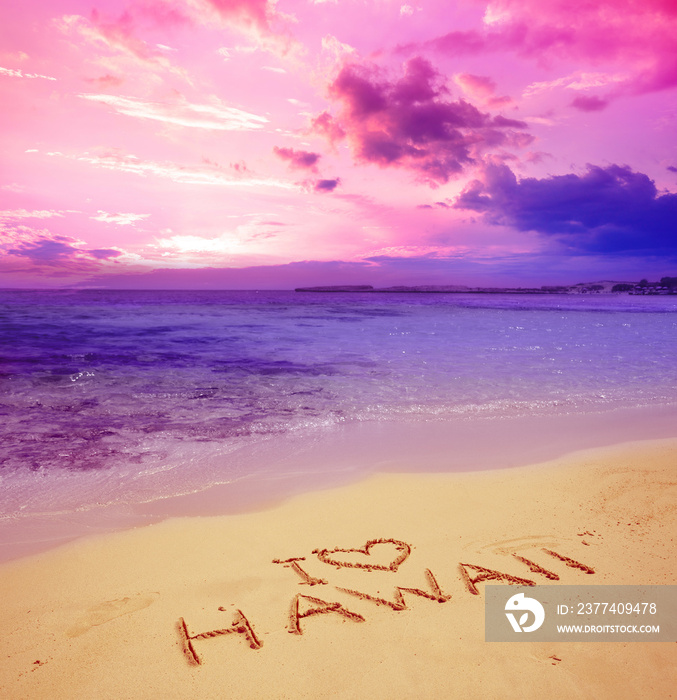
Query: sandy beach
<point>359,591</point>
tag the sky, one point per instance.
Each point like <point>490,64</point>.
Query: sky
<point>251,144</point>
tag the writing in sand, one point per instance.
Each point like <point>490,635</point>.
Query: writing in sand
<point>304,606</point>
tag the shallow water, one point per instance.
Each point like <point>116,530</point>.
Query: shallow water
<point>126,397</point>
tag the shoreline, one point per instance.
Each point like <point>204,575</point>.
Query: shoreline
<point>99,617</point>
<point>349,453</point>
<point>602,287</point>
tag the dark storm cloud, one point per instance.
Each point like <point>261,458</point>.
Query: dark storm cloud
<point>606,210</point>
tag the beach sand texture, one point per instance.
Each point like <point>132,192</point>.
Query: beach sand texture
<point>352,592</point>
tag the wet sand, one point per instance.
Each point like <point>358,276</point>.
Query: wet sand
<point>275,469</point>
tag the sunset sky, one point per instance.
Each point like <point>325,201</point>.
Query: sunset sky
<point>251,144</point>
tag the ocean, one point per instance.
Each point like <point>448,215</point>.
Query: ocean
<point>132,397</point>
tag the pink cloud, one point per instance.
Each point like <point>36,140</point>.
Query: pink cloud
<point>593,32</point>
<point>536,156</point>
<point>119,36</point>
<point>120,33</point>
<point>661,76</point>
<point>477,86</point>
<point>456,43</point>
<point>107,81</point>
<point>259,19</point>
<point>163,14</point>
<point>481,89</point>
<point>257,13</point>
<point>325,125</point>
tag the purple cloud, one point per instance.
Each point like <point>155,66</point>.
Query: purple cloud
<point>298,159</point>
<point>606,210</point>
<point>44,250</point>
<point>104,253</point>
<point>511,36</point>
<point>52,256</point>
<point>589,104</point>
<point>327,185</point>
<point>442,205</point>
<point>457,43</point>
<point>408,123</point>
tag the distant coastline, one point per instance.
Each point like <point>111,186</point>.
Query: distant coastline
<point>668,285</point>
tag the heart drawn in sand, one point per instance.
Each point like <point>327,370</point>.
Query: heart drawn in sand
<point>402,551</point>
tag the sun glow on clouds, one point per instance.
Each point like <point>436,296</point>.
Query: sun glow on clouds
<point>495,15</point>
<point>225,245</point>
<point>255,238</point>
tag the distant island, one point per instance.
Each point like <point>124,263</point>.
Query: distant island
<point>667,285</point>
